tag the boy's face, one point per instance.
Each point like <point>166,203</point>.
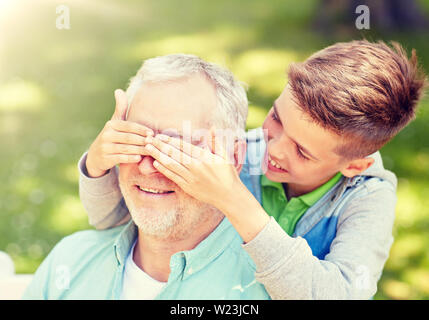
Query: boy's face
<point>303,149</point>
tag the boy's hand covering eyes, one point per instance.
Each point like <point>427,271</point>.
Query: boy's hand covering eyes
<point>206,174</point>
<point>120,141</point>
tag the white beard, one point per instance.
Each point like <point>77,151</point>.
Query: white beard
<point>171,223</point>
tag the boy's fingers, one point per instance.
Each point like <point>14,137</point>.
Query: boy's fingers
<point>170,162</point>
<point>131,127</point>
<point>124,158</point>
<point>168,173</point>
<point>121,105</point>
<point>118,148</point>
<point>126,138</point>
<point>187,148</point>
<point>163,150</point>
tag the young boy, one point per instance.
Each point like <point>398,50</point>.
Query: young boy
<point>318,223</point>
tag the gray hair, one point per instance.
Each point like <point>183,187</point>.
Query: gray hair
<point>232,104</point>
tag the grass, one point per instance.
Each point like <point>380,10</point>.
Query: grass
<point>56,93</point>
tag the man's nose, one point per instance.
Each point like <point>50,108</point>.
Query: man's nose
<point>146,166</point>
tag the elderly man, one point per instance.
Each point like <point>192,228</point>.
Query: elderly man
<point>175,247</point>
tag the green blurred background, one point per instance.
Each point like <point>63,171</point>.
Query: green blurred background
<point>56,93</point>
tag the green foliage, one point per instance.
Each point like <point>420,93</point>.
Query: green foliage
<point>56,93</point>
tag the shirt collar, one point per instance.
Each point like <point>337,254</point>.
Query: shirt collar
<point>204,253</point>
<point>312,197</point>
<point>211,247</point>
<point>124,242</point>
<point>309,198</point>
<point>265,182</point>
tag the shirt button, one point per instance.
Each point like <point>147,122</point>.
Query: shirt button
<point>190,271</point>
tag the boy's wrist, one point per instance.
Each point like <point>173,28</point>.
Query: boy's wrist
<point>236,196</point>
<point>83,168</point>
<point>245,213</point>
<point>91,171</point>
<point>95,173</point>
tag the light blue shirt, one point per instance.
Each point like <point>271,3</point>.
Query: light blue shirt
<point>90,265</point>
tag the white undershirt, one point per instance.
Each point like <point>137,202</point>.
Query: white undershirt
<point>137,284</point>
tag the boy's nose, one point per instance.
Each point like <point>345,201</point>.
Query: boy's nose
<point>277,149</point>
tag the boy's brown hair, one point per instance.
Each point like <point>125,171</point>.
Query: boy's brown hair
<point>365,92</point>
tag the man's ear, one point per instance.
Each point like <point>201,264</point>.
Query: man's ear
<point>356,167</point>
<point>240,147</point>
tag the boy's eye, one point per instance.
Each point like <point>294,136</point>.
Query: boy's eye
<point>300,154</point>
<point>274,116</point>
<point>298,150</point>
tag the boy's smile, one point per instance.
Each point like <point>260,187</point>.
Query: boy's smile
<point>273,165</point>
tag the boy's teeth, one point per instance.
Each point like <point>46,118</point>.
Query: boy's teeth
<point>274,164</point>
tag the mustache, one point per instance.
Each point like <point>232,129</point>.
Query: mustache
<point>159,182</point>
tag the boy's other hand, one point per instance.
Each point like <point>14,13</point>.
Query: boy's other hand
<point>120,141</point>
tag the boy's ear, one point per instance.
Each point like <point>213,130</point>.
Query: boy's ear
<point>357,166</point>
<point>240,147</point>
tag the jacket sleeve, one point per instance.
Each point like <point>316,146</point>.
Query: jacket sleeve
<point>351,270</point>
<point>102,198</point>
